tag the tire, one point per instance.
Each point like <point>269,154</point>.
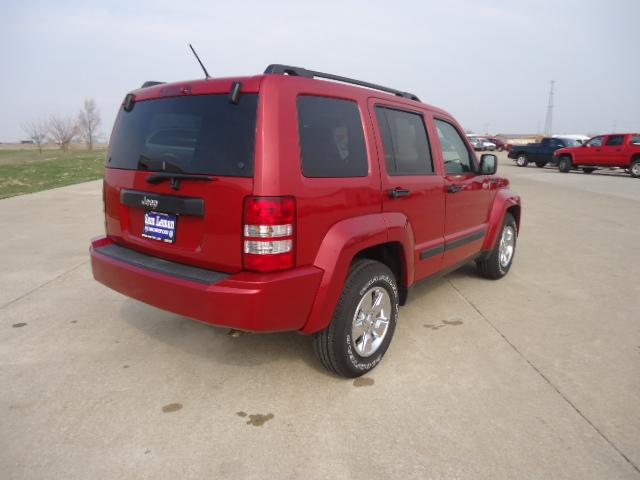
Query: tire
<point>541,164</point>
<point>336,347</point>
<point>634,168</point>
<point>564,164</point>
<point>588,170</point>
<point>498,263</point>
<point>522,160</point>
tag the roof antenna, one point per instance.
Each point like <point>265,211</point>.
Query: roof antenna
<point>206,74</point>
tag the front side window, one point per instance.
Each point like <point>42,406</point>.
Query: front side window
<point>595,142</point>
<point>457,158</point>
<point>615,140</point>
<point>406,145</point>
<point>635,140</point>
<point>331,138</point>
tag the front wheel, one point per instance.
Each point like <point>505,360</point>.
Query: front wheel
<point>634,168</point>
<point>363,323</point>
<point>498,262</point>
<point>522,160</point>
<point>564,164</point>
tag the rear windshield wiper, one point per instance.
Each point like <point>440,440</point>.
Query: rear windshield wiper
<point>146,163</point>
<point>176,178</point>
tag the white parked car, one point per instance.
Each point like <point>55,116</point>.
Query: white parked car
<point>487,145</point>
<point>580,139</point>
<point>476,143</point>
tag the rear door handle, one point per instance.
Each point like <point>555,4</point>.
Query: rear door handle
<point>454,188</point>
<point>399,192</point>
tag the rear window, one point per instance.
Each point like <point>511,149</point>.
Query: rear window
<point>615,140</point>
<point>196,134</point>
<point>331,138</point>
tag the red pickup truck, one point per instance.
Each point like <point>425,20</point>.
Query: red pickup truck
<point>284,202</point>
<point>616,150</point>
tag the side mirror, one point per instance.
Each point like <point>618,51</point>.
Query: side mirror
<point>488,164</point>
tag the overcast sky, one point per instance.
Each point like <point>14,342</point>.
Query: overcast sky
<point>488,63</point>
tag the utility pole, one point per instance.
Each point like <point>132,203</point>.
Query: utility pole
<point>548,122</point>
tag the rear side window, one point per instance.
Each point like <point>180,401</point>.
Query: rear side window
<point>406,145</point>
<point>615,140</point>
<point>331,138</point>
<point>193,134</point>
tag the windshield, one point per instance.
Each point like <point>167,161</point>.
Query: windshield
<point>193,134</point>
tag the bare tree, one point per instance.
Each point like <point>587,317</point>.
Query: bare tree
<point>89,121</point>
<point>63,130</point>
<point>37,131</point>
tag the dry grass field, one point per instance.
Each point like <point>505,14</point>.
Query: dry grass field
<point>24,170</point>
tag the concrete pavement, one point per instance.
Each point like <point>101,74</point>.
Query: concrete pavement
<point>534,376</point>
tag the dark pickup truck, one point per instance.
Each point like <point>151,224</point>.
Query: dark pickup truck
<point>539,153</point>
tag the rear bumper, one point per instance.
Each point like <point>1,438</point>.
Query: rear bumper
<point>257,302</point>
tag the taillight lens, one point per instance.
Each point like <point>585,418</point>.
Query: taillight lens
<point>269,230</point>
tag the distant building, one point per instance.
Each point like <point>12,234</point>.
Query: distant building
<point>26,142</point>
<point>519,138</point>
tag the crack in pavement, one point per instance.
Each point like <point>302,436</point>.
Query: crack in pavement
<point>545,378</point>
<point>11,302</point>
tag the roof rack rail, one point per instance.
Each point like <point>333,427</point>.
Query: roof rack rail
<point>303,72</point>
<point>151,83</point>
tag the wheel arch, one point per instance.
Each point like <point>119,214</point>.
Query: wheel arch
<point>505,202</point>
<point>392,255</point>
<point>566,154</point>
<point>634,158</point>
<point>385,237</point>
<point>515,210</point>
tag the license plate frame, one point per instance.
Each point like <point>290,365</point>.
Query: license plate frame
<point>160,226</point>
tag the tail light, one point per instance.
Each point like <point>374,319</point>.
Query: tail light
<point>269,231</point>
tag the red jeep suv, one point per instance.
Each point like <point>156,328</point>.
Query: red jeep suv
<point>283,202</point>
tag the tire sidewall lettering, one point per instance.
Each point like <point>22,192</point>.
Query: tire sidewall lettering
<point>367,364</point>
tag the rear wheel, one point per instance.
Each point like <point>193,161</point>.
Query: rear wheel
<point>522,160</point>
<point>588,170</point>
<point>634,168</point>
<point>499,261</point>
<point>564,164</point>
<point>363,323</point>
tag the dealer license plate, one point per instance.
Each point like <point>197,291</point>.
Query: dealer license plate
<point>160,226</point>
